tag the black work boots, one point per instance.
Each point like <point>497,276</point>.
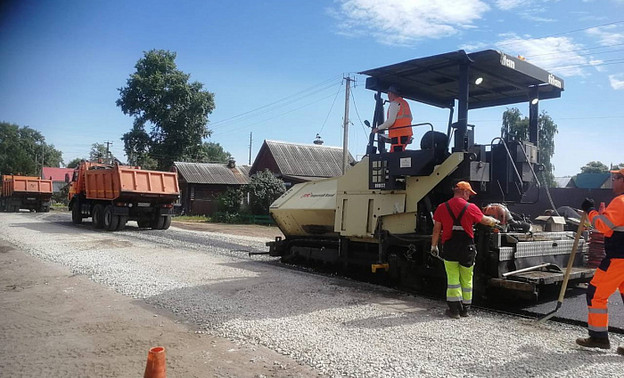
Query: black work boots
<point>596,342</point>
<point>464,310</point>
<point>454,309</point>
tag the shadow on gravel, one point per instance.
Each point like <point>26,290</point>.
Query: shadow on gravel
<point>537,361</point>
<point>277,293</point>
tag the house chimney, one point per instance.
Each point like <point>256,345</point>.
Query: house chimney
<point>231,163</point>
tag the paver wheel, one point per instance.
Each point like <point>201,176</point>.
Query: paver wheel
<point>97,216</point>
<point>111,221</point>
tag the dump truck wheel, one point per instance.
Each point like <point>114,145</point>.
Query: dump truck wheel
<point>158,223</point>
<point>97,217</point>
<point>76,213</point>
<point>143,223</point>
<point>122,222</point>
<point>111,221</point>
<point>167,223</point>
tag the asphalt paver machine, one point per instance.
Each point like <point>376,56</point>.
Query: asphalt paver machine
<point>378,215</point>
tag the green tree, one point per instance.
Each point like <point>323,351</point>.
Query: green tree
<point>516,127</point>
<point>160,96</point>
<point>23,151</point>
<point>74,163</point>
<point>594,167</point>
<point>208,152</point>
<point>263,189</point>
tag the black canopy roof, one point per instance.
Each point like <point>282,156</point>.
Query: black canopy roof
<point>435,80</point>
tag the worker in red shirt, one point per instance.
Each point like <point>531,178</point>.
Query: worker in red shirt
<point>455,219</point>
<point>398,119</point>
<point>609,275</point>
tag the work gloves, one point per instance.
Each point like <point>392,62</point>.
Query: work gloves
<point>435,251</point>
<point>587,205</point>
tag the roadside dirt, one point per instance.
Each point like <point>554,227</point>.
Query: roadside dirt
<point>56,324</point>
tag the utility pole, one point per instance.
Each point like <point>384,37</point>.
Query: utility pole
<point>345,138</point>
<point>250,134</point>
<point>108,150</point>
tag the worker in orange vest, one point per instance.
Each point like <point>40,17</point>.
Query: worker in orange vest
<point>398,119</point>
<point>609,275</point>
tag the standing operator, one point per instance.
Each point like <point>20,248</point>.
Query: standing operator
<point>455,218</point>
<point>398,120</point>
<point>609,275</point>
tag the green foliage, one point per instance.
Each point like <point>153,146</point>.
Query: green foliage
<point>594,167</point>
<point>61,196</point>
<point>160,96</point>
<point>23,151</point>
<point>230,201</point>
<point>516,127</point>
<point>208,152</point>
<point>263,189</point>
<point>74,163</point>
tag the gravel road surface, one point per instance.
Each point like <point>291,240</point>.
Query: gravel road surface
<point>325,326</point>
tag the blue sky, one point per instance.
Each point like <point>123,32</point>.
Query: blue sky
<point>277,67</point>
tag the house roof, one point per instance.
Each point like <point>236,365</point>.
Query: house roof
<point>562,182</point>
<point>210,173</point>
<point>305,160</point>
<point>56,174</point>
<point>591,180</point>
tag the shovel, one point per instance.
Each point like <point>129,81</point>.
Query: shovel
<point>566,276</point>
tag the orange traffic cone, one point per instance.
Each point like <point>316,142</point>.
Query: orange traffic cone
<point>156,366</point>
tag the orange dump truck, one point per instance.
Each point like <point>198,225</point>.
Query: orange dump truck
<point>24,192</point>
<point>114,194</point>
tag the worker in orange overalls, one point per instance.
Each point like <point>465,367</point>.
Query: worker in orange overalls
<point>398,118</point>
<point>609,275</point>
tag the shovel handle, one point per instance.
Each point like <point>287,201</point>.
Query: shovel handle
<point>577,237</point>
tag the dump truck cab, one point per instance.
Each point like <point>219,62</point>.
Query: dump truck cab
<point>380,213</point>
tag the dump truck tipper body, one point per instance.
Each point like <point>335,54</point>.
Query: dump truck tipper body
<point>25,192</point>
<point>114,194</point>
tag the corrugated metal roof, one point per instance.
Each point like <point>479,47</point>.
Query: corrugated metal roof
<point>308,160</point>
<point>562,182</point>
<point>591,180</point>
<point>210,173</point>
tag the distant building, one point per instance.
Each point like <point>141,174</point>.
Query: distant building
<point>202,183</point>
<point>295,163</point>
<point>59,176</point>
<point>591,181</point>
<point>563,182</point>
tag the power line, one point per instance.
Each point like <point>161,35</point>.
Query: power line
<point>280,101</point>
<point>330,108</point>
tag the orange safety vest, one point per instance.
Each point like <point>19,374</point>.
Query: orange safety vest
<point>404,118</point>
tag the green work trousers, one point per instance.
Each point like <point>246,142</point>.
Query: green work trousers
<point>458,282</point>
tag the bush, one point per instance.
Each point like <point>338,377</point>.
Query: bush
<point>263,189</point>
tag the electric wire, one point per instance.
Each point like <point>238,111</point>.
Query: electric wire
<point>282,101</point>
<point>330,108</point>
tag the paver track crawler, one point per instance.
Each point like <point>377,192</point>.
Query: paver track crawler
<point>378,215</point>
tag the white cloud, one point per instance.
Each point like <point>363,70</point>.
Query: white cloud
<point>617,81</point>
<point>510,4</point>
<point>606,35</point>
<point>404,22</point>
<point>556,54</point>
